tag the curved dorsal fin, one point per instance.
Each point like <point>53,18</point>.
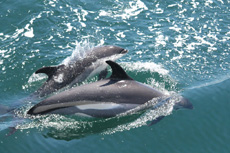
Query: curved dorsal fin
<point>47,70</point>
<point>117,71</point>
<point>50,70</point>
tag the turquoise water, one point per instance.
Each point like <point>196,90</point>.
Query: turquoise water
<point>179,47</point>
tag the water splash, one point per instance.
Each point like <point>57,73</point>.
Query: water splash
<point>145,66</point>
<point>81,49</point>
<point>156,108</point>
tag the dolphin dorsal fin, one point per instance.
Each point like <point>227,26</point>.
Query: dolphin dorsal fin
<point>50,70</point>
<point>117,71</point>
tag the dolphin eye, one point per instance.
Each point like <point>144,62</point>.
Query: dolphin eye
<point>123,51</point>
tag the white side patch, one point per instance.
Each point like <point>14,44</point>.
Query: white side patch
<point>59,78</point>
<point>99,106</point>
<point>100,64</point>
<point>97,68</point>
<point>83,115</point>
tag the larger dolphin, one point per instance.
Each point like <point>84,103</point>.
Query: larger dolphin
<point>93,63</point>
<point>105,98</point>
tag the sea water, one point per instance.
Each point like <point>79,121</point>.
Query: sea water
<point>178,47</point>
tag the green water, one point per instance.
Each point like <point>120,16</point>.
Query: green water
<point>179,47</point>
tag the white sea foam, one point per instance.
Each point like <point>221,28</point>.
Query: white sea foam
<point>136,7</point>
<point>132,10</point>
<point>161,39</point>
<point>69,27</point>
<point>158,108</point>
<point>36,77</point>
<point>145,66</point>
<point>29,33</point>
<point>176,28</point>
<point>81,15</point>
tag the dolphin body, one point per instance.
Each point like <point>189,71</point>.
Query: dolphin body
<point>105,98</point>
<point>93,63</point>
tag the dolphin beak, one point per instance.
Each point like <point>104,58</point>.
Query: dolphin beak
<point>183,103</point>
<point>124,51</point>
<point>186,103</point>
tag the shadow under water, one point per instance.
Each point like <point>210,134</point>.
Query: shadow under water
<point>85,127</point>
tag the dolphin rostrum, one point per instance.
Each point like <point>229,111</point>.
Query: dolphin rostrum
<point>105,98</point>
<point>76,72</point>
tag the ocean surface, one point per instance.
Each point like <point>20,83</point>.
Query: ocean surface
<point>178,47</point>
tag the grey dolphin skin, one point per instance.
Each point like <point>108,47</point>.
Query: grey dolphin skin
<point>93,63</point>
<point>105,98</point>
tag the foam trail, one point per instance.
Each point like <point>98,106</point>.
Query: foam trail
<point>146,66</point>
<point>158,108</point>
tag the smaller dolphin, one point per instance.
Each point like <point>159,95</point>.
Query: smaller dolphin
<point>93,63</point>
<point>105,98</point>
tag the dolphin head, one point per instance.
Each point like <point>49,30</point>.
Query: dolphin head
<point>108,52</point>
<point>183,103</point>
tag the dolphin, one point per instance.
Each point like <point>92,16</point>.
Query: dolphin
<point>105,98</point>
<point>92,64</point>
